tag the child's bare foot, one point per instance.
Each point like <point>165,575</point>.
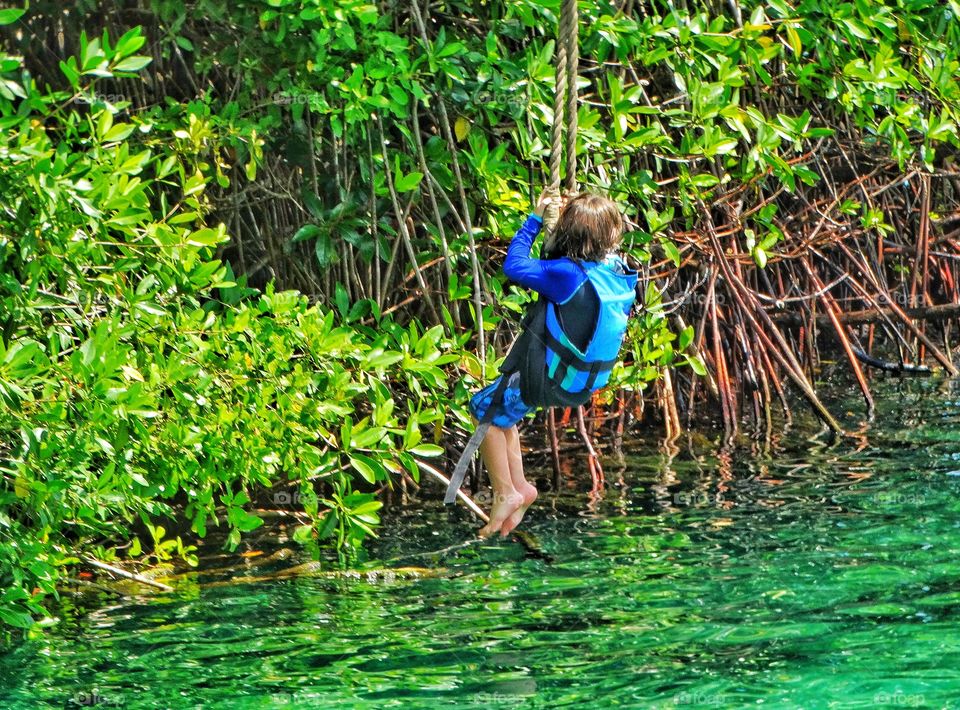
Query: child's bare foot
<point>529,493</point>
<point>504,505</point>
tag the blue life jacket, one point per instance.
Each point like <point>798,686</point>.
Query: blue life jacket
<point>554,371</point>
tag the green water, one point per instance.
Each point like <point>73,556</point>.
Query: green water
<point>807,575</point>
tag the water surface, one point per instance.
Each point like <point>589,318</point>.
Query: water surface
<point>804,575</point>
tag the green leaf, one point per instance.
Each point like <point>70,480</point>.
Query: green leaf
<point>91,55</point>
<point>794,39</point>
<point>307,231</point>
<point>325,251</point>
<point>303,534</point>
<point>69,69</point>
<point>704,180</point>
<point>150,308</point>
<point>696,364</point>
<point>130,42</point>
<point>11,15</point>
<point>245,521</point>
<point>138,478</point>
<point>194,184</point>
<point>13,617</point>
<point>371,469</point>
<point>722,147</point>
<point>769,241</point>
<point>133,64</point>
<point>671,251</point>
<point>119,132</point>
<point>21,353</point>
<point>206,237</point>
<point>760,256</point>
<point>406,183</point>
<point>328,524</point>
<point>426,450</point>
<point>450,49</point>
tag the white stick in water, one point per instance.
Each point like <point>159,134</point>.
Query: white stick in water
<point>129,575</point>
<point>463,496</point>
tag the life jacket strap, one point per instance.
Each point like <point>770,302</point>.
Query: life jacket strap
<point>596,368</point>
<point>570,359</point>
<point>460,471</point>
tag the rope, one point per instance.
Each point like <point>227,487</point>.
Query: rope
<point>573,66</point>
<point>564,107</point>
<point>556,148</point>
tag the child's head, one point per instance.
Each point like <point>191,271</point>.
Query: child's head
<point>590,227</point>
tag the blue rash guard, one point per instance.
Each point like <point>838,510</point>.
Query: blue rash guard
<point>557,280</point>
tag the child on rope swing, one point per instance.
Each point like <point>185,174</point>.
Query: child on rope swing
<point>569,341</point>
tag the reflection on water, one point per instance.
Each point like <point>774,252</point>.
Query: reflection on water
<point>802,574</point>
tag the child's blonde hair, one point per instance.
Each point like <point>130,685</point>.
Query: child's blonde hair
<point>589,228</point>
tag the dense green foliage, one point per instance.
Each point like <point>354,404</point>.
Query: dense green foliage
<point>135,386</point>
<point>143,379</point>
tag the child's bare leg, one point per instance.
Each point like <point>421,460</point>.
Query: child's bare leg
<point>506,498</point>
<point>526,489</point>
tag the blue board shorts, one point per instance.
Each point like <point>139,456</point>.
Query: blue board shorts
<point>508,412</point>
